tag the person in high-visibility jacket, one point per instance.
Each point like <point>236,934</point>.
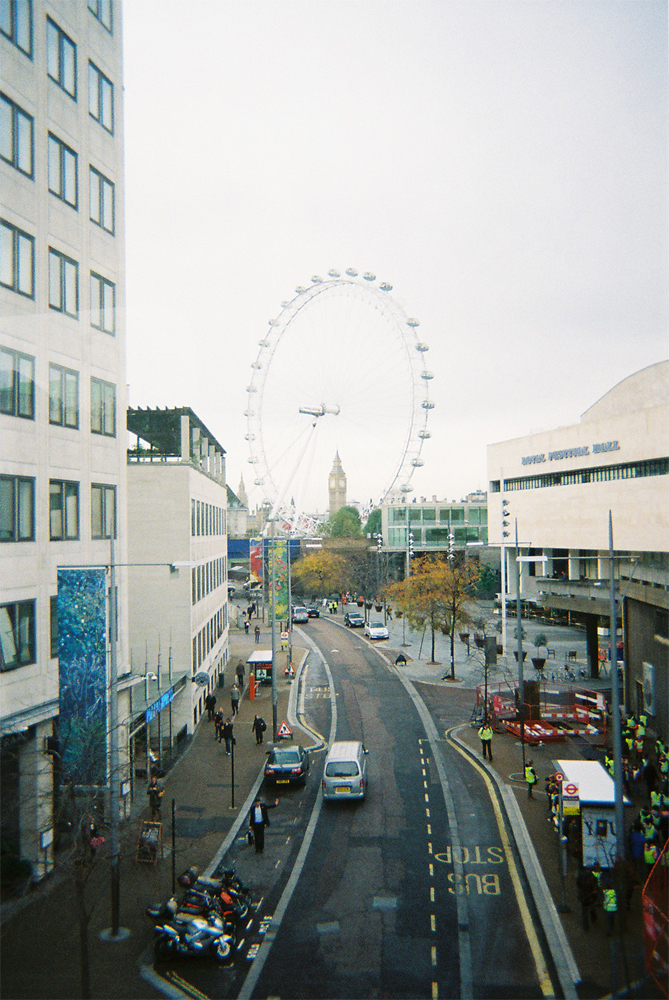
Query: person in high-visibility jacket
<point>608,763</point>
<point>485,735</point>
<point>650,853</point>
<point>530,778</point>
<point>610,906</point>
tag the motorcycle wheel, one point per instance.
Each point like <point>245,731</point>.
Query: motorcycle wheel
<point>163,950</point>
<point>242,909</point>
<point>222,951</point>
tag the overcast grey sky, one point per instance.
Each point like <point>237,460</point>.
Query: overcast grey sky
<point>502,164</point>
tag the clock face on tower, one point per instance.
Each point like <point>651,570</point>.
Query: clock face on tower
<point>342,484</point>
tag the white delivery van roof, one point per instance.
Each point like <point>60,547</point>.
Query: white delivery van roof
<point>595,784</point>
<point>344,751</point>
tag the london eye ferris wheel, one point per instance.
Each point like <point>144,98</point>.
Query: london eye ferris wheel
<point>340,369</point>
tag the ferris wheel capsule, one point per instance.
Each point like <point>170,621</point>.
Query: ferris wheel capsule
<point>385,287</point>
<point>368,276</point>
<point>352,273</point>
<point>422,348</point>
<point>413,322</point>
<point>334,273</point>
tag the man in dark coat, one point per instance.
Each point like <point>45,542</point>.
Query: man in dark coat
<point>258,820</point>
<point>227,734</point>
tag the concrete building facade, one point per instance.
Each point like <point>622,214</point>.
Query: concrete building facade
<point>558,486</point>
<point>62,367</point>
<point>178,577</point>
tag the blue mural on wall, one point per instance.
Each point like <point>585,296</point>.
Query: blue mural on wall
<point>82,623</point>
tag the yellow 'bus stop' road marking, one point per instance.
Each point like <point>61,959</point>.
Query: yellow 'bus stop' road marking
<point>533,940</point>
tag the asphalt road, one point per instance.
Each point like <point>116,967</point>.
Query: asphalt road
<point>416,892</point>
<point>396,893</point>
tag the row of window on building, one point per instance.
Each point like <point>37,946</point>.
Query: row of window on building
<point>419,514</point>
<point>207,518</point>
<point>17,147</point>
<point>17,510</point>
<point>209,635</point>
<point>572,477</point>
<point>16,24</point>
<point>17,394</point>
<point>206,578</point>
<point>17,272</point>
<point>437,537</point>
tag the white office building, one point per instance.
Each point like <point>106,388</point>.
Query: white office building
<point>62,367</point>
<point>558,487</point>
<point>178,576</point>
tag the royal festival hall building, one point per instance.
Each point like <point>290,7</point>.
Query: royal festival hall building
<point>558,487</point>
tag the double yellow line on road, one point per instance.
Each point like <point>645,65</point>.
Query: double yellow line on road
<point>536,949</point>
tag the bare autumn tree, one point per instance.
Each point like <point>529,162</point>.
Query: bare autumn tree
<point>437,594</point>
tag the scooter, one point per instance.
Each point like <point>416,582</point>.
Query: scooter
<point>187,936</point>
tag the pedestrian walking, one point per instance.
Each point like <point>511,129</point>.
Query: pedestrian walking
<point>530,778</point>
<point>155,791</point>
<point>485,735</point>
<point>247,625</point>
<point>256,633</point>
<point>218,726</point>
<point>239,671</point>
<point>258,820</point>
<point>210,705</point>
<point>258,727</point>
<point>234,699</point>
<point>226,733</point>
<point>587,890</point>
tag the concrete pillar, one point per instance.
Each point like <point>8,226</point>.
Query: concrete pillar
<point>195,444</point>
<point>185,438</point>
<point>592,645</point>
<point>574,566</point>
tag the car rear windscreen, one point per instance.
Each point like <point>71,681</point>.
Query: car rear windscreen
<point>341,769</point>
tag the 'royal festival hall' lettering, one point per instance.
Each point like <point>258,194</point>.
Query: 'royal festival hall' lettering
<point>556,456</point>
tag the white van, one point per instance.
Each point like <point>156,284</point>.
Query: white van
<point>345,772</point>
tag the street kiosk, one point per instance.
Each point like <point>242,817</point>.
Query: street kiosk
<point>260,664</point>
<point>587,791</point>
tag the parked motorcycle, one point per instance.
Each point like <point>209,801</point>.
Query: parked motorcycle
<point>191,878</point>
<point>227,903</point>
<point>193,937</point>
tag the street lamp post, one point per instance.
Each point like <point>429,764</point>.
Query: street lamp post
<point>407,574</point>
<point>521,680</point>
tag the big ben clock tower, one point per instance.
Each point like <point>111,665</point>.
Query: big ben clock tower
<point>337,486</point>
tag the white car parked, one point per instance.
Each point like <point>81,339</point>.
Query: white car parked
<point>376,630</point>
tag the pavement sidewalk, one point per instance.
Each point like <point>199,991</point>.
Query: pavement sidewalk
<point>40,947</point>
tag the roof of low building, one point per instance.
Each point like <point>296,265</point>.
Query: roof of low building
<point>161,428</point>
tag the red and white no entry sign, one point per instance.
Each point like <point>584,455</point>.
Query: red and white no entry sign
<point>570,789</point>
